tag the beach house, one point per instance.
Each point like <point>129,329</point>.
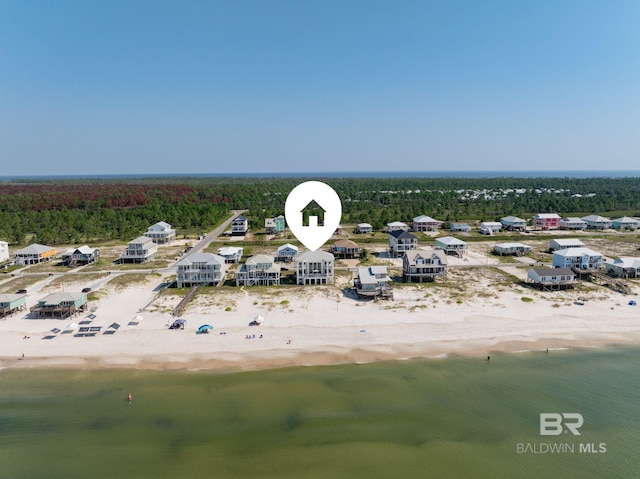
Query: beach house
<point>573,223</point>
<point>60,305</point>
<point>346,249</point>
<point>287,252</point>
<point>596,222</point>
<point>258,270</point>
<point>161,233</point>
<point>460,227</point>
<point>12,303</point>
<point>511,249</point>
<point>139,250</point>
<point>422,265</point>
<point>396,226</point>
<point>490,227</point>
<point>34,254</point>
<point>513,223</point>
<point>364,228</point>
<point>577,258</point>
<point>4,251</point>
<point>80,255</point>
<point>425,223</point>
<point>552,279</point>
<point>401,241</point>
<point>373,282</point>
<point>625,223</point>
<point>452,246</point>
<point>564,243</point>
<point>231,254</point>
<point>201,269</point>
<point>624,267</point>
<point>546,221</point>
<point>270,226</point>
<point>314,267</point>
<point>239,225</point>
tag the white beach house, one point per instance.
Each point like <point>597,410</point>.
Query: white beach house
<point>4,251</point>
<point>564,243</point>
<point>551,279</point>
<point>511,249</point>
<point>452,246</point>
<point>625,267</point>
<point>315,267</point>
<point>201,269</point>
<point>258,270</point>
<point>161,233</point>
<point>425,223</point>
<point>373,282</point>
<point>139,250</point>
<point>239,225</point>
<point>80,255</point>
<point>396,225</point>
<point>231,254</point>
<point>597,222</point>
<point>34,254</point>
<point>490,227</point>
<point>425,264</point>
<point>573,223</point>
<point>364,228</point>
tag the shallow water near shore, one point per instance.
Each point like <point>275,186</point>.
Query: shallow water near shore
<point>452,418</point>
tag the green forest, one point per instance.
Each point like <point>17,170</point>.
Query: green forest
<point>79,211</point>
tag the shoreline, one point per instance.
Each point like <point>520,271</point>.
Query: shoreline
<point>301,358</point>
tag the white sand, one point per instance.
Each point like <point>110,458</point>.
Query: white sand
<point>320,325</point>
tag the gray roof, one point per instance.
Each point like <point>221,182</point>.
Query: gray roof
<point>57,298</point>
<point>596,219</point>
<point>9,298</point>
<point>33,249</point>
<point>367,275</point>
<point>288,245</point>
<point>424,219</point>
<point>512,245</point>
<point>259,258</point>
<point>140,240</point>
<point>82,249</point>
<point>426,253</point>
<point>574,252</point>
<point>309,256</point>
<point>627,262</point>
<point>450,241</point>
<point>513,219</point>
<point>567,241</point>
<point>626,219</point>
<point>553,271</point>
<point>208,258</point>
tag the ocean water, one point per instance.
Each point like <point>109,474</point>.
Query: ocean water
<point>359,174</point>
<point>450,418</point>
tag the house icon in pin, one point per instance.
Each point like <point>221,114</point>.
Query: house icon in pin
<point>312,214</point>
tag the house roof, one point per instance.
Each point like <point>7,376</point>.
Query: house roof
<point>309,256</point>
<point>208,258</point>
<point>572,219</point>
<point>567,242</point>
<point>424,219</point>
<point>33,249</point>
<point>400,234</point>
<point>395,224</point>
<point>56,298</point>
<point>82,249</point>
<point>512,245</point>
<point>553,271</point>
<point>345,243</point>
<point>626,219</point>
<point>161,224</point>
<point>413,255</point>
<point>367,275</point>
<point>596,219</point>
<point>9,298</point>
<point>450,241</point>
<point>364,225</point>
<point>491,223</point>
<point>140,240</point>
<point>513,219</point>
<point>288,245</point>
<point>229,250</point>
<point>240,218</point>
<point>259,258</point>
<point>627,262</point>
<point>574,252</point>
<point>547,216</point>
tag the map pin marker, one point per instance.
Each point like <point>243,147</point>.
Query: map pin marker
<point>313,211</point>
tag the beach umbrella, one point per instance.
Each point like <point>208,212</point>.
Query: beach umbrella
<point>205,327</point>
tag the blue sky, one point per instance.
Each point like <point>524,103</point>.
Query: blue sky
<point>117,87</point>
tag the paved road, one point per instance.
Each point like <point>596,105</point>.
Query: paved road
<point>203,243</point>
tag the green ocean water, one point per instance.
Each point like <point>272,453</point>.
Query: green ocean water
<point>451,418</point>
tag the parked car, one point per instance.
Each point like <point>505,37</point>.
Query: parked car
<point>86,290</point>
<point>21,291</point>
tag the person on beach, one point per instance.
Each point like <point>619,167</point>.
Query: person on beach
<point>129,398</point>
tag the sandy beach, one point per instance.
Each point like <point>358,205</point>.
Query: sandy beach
<point>471,313</point>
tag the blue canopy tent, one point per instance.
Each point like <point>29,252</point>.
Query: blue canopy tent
<point>205,328</point>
